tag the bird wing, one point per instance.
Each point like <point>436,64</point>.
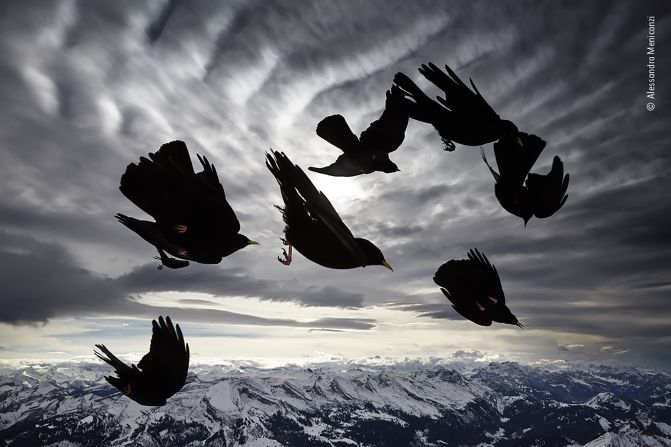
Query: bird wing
<point>299,192</point>
<point>458,97</point>
<point>168,355</point>
<point>548,192</point>
<point>515,161</point>
<point>222,216</point>
<point>173,156</point>
<point>335,130</point>
<point>388,132</point>
<point>489,277</point>
<point>421,108</point>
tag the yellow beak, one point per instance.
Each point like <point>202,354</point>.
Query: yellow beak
<point>251,242</point>
<point>386,264</point>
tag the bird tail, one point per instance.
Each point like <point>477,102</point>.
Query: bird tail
<point>149,231</point>
<point>336,131</point>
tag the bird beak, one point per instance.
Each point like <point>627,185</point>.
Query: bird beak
<point>251,242</point>
<point>518,324</point>
<point>386,264</point>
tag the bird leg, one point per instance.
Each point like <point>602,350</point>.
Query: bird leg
<point>183,253</point>
<point>127,389</point>
<point>481,307</point>
<point>181,229</point>
<point>287,256</point>
<point>492,299</point>
<point>449,145</point>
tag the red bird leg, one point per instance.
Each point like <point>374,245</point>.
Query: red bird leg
<point>492,299</point>
<point>287,256</point>
<point>481,307</point>
<point>127,389</point>
<point>183,253</point>
<point>181,229</point>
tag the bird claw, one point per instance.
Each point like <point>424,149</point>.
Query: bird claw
<point>481,307</point>
<point>181,229</point>
<point>492,299</point>
<point>159,267</point>
<point>284,241</point>
<point>287,256</point>
<point>449,145</point>
<point>183,253</point>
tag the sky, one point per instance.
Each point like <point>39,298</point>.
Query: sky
<point>89,87</point>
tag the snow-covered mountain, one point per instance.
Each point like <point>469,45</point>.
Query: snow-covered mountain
<point>501,404</point>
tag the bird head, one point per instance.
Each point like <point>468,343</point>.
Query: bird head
<point>241,241</point>
<point>389,167</point>
<point>373,254</point>
<point>507,317</point>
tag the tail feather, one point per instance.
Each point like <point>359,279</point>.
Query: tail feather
<point>336,131</point>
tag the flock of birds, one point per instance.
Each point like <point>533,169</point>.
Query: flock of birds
<point>195,223</point>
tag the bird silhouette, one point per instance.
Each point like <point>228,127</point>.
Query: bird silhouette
<point>313,226</point>
<point>462,116</point>
<point>473,287</point>
<point>193,218</point>
<point>159,374</point>
<point>369,152</point>
<point>519,192</point>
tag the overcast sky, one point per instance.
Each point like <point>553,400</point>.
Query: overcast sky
<point>88,87</point>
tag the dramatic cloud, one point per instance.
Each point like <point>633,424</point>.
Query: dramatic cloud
<point>88,87</point>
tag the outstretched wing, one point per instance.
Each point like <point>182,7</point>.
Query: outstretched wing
<point>388,132</point>
<point>335,130</point>
<point>300,194</point>
<point>490,277</point>
<point>168,356</point>
<point>548,192</point>
<point>459,98</point>
<point>220,213</point>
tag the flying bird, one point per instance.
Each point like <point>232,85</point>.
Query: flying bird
<point>160,373</point>
<point>370,152</point>
<point>463,116</point>
<point>313,226</point>
<point>473,287</point>
<point>519,192</point>
<point>194,221</point>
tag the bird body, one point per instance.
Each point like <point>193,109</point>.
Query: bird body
<point>193,218</point>
<point>474,288</point>
<point>462,116</point>
<point>160,373</point>
<point>312,224</point>
<point>369,152</point>
<point>519,192</point>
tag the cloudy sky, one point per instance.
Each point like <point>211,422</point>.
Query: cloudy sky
<point>88,87</point>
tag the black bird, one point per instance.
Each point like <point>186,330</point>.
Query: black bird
<point>473,287</point>
<point>193,219</point>
<point>519,192</point>
<point>369,152</point>
<point>160,373</point>
<point>313,225</point>
<point>463,116</point>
